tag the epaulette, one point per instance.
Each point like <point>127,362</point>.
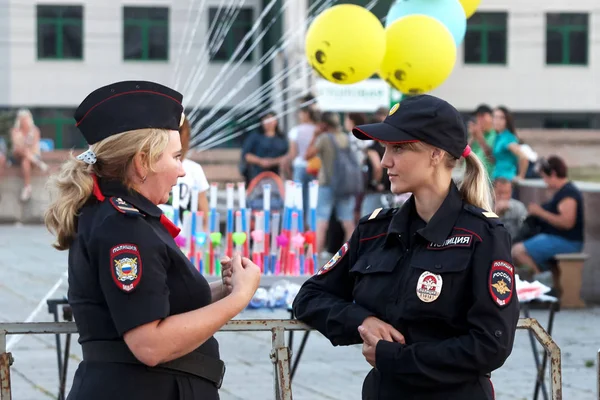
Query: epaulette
<point>124,207</point>
<point>488,216</point>
<point>378,214</point>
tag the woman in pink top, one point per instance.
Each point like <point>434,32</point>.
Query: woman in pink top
<point>25,138</point>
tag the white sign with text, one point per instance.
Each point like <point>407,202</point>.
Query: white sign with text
<point>364,96</point>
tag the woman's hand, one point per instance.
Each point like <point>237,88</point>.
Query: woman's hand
<point>226,275</point>
<point>245,277</point>
<point>382,330</point>
<point>534,209</point>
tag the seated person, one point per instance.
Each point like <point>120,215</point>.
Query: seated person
<point>511,211</point>
<point>3,152</point>
<point>25,139</point>
<point>560,220</point>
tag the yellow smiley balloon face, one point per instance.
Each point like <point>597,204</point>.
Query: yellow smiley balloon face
<point>345,44</point>
<point>420,55</point>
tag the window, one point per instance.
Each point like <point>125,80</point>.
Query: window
<point>379,8</point>
<point>567,39</point>
<point>229,41</point>
<point>555,122</point>
<point>59,32</point>
<point>58,124</point>
<point>146,33</point>
<point>486,37</point>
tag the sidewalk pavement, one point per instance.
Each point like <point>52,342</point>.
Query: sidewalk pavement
<point>29,268</point>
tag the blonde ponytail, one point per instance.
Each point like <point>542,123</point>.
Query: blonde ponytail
<point>475,186</point>
<point>74,184</point>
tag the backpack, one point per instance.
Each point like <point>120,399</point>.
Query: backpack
<point>347,178</point>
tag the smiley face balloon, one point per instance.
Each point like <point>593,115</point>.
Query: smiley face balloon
<point>420,54</point>
<point>345,44</point>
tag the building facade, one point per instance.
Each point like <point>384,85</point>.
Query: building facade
<point>539,58</point>
<point>53,53</point>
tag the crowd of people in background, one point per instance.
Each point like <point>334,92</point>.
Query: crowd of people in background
<point>309,150</point>
<point>539,231</point>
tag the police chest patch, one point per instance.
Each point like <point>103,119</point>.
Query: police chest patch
<point>452,241</point>
<point>429,287</point>
<point>501,282</point>
<point>126,266</point>
<point>337,257</point>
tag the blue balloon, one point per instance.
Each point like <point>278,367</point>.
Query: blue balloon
<point>448,12</point>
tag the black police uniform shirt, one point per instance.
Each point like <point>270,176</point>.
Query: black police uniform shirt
<point>125,270</point>
<point>447,286</point>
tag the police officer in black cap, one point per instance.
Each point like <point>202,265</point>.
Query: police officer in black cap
<point>428,288</point>
<point>145,316</point>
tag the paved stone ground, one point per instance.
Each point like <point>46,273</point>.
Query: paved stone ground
<point>29,268</point>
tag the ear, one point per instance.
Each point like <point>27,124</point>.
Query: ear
<point>436,155</point>
<point>140,165</point>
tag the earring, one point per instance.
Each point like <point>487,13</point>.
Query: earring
<point>143,179</point>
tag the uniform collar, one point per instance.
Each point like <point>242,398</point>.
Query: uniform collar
<point>439,227</point>
<point>115,188</point>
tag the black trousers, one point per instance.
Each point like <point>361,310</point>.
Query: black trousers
<point>375,387</point>
<point>114,381</point>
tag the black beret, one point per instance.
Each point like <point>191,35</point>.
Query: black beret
<point>126,106</point>
<point>423,118</point>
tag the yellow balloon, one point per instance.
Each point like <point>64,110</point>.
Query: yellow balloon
<point>470,6</point>
<point>420,54</point>
<point>345,44</point>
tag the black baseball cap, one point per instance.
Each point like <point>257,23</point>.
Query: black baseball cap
<point>126,106</point>
<point>421,118</point>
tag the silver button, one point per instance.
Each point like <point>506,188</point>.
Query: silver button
<point>368,266</point>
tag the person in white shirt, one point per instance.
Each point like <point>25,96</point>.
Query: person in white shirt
<point>359,147</point>
<point>299,138</point>
<point>194,178</point>
<point>532,156</point>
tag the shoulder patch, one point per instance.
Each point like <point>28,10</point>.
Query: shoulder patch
<point>126,266</point>
<point>488,216</point>
<point>378,214</point>
<point>375,213</point>
<point>124,207</point>
<point>501,282</point>
<point>337,257</point>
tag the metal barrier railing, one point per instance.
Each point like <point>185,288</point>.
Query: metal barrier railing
<point>280,353</point>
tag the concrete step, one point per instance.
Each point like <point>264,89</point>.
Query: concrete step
<point>12,209</point>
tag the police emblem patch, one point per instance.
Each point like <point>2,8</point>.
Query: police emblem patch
<point>501,282</point>
<point>337,257</point>
<point>429,287</point>
<point>126,266</point>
